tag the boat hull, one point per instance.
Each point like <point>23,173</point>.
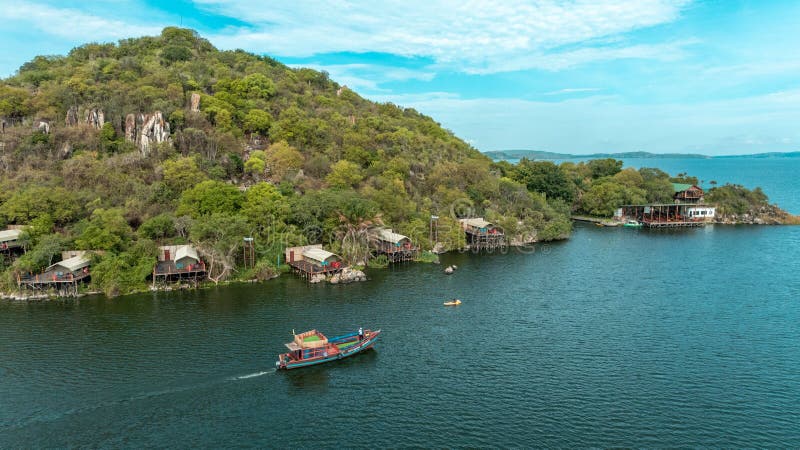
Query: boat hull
<point>285,363</point>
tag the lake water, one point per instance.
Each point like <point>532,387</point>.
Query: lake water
<point>617,337</point>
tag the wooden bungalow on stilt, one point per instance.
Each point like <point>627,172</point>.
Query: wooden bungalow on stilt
<point>10,242</point>
<point>64,276</point>
<point>395,246</point>
<point>482,235</point>
<point>312,260</point>
<point>178,263</point>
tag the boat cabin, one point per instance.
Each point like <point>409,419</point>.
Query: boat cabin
<point>395,246</point>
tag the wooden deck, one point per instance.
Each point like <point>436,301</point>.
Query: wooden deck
<point>484,240</point>
<point>66,283</point>
<point>672,223</point>
<point>167,271</point>
<point>307,270</point>
<point>398,254</point>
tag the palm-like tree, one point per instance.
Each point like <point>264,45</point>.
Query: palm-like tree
<point>358,225</point>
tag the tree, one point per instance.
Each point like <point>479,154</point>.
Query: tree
<point>108,138</point>
<point>35,201</point>
<point>544,177</point>
<point>282,158</point>
<point>606,167</point>
<point>264,204</point>
<point>257,121</point>
<point>210,197</point>
<point>218,237</point>
<point>182,173</point>
<point>120,273</point>
<point>158,227</point>
<point>606,196</point>
<point>107,229</point>
<point>358,219</point>
<point>344,174</point>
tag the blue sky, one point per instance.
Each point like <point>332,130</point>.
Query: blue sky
<point>579,76</point>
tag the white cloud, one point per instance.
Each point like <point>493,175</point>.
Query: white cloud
<point>72,24</point>
<point>606,123</point>
<point>475,36</point>
<point>368,76</point>
<point>571,91</point>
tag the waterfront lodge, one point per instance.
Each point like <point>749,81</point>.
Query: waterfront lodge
<point>667,215</point>
<point>311,260</point>
<point>481,234</point>
<point>63,276</point>
<point>176,263</point>
<point>395,246</point>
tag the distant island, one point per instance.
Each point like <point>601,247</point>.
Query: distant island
<point>501,155</point>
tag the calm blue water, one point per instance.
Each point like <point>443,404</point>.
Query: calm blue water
<point>617,337</point>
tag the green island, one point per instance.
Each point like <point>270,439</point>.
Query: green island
<point>119,149</point>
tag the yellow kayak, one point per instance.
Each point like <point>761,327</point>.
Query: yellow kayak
<point>455,302</point>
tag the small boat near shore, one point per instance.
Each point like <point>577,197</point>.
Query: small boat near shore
<point>454,302</point>
<point>633,224</point>
<point>312,347</point>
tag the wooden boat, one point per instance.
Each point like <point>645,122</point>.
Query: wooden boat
<point>312,347</point>
<point>454,302</point>
<point>633,224</point>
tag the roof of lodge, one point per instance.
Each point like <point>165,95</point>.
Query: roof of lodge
<point>186,250</point>
<point>317,254</point>
<point>477,222</point>
<point>388,235</point>
<point>680,187</point>
<point>72,264</point>
<point>9,235</point>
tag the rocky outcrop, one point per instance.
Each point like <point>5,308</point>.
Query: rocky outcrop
<point>155,130</point>
<point>42,126</point>
<point>94,117</point>
<point>348,275</point>
<point>72,116</point>
<point>765,215</point>
<point>66,150</point>
<point>194,103</point>
<point>130,128</point>
<point>147,130</point>
<point>318,278</point>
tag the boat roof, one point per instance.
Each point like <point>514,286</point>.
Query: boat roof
<point>293,347</point>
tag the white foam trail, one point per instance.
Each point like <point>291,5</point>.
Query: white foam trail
<point>253,375</point>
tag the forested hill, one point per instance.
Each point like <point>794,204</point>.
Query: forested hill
<point>165,139</point>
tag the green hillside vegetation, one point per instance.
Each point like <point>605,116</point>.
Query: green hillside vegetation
<point>285,155</point>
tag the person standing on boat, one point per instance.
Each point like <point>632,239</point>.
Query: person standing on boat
<point>360,334</point>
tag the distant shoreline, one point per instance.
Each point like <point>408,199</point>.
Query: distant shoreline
<point>538,154</point>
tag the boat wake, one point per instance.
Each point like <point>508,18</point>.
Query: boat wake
<point>253,375</point>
